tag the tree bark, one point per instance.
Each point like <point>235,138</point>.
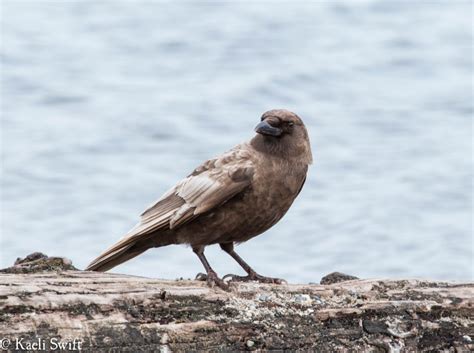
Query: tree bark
<point>103,311</point>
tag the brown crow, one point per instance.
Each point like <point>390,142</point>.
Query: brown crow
<point>229,199</point>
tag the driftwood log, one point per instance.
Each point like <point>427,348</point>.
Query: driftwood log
<point>45,302</point>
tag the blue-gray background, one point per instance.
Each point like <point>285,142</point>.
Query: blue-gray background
<point>106,104</point>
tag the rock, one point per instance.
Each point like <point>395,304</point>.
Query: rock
<point>303,299</point>
<point>29,258</point>
<point>264,297</point>
<point>336,277</point>
<point>39,262</point>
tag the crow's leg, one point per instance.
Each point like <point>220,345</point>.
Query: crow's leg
<point>252,275</point>
<point>211,276</point>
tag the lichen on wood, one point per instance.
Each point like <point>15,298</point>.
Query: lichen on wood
<point>110,311</point>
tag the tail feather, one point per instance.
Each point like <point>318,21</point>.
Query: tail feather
<point>105,263</point>
<point>127,249</point>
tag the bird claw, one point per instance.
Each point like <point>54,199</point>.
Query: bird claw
<point>201,277</point>
<point>212,280</point>
<point>253,277</point>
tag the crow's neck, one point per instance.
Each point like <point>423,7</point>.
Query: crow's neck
<point>284,148</point>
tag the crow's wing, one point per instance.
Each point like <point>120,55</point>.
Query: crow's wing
<point>209,186</point>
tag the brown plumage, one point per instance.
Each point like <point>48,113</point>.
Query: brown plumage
<point>229,199</point>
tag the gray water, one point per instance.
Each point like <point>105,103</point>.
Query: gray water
<point>107,104</point>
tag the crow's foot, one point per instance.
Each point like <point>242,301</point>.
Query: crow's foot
<point>212,280</point>
<point>253,277</point>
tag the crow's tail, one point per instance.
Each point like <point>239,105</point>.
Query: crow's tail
<point>124,251</point>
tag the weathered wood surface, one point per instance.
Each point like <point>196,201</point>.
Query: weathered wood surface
<point>124,313</point>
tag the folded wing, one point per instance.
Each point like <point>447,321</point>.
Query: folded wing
<point>209,186</point>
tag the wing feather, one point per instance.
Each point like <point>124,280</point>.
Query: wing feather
<point>209,186</point>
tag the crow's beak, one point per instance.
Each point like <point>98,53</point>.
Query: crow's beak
<point>265,128</point>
